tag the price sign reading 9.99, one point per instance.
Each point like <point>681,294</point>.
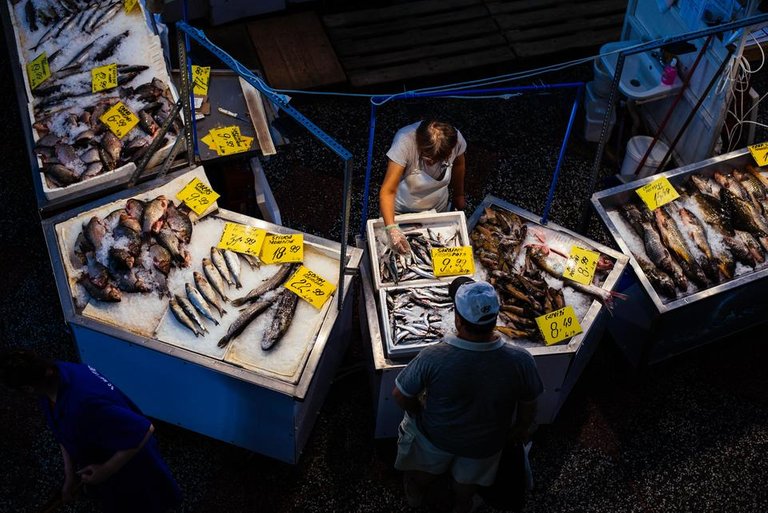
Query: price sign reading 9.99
<point>119,119</point>
<point>242,239</point>
<point>282,249</point>
<point>454,261</point>
<point>558,325</point>
<point>310,287</point>
<point>657,193</point>
<point>581,265</point>
<point>198,196</point>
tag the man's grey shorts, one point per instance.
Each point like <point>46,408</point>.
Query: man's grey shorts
<point>416,452</point>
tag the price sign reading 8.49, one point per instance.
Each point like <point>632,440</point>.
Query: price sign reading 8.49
<point>310,287</point>
<point>198,196</point>
<point>242,238</point>
<point>103,77</point>
<point>38,70</point>
<point>558,325</point>
<point>657,193</point>
<point>282,249</point>
<point>119,119</point>
<point>581,265</point>
<point>454,261</point>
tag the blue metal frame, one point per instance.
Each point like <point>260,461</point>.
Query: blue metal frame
<point>378,100</point>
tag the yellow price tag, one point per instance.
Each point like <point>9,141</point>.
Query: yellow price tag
<point>581,265</point>
<point>38,70</point>
<point>103,77</point>
<point>129,5</point>
<point>119,119</point>
<point>228,140</point>
<point>198,196</point>
<point>657,193</point>
<point>242,238</point>
<point>200,77</point>
<point>759,153</point>
<point>453,261</point>
<point>558,325</point>
<point>208,140</point>
<point>282,249</point>
<point>310,287</point>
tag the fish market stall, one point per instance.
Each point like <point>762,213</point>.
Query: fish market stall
<point>510,250</point>
<point>96,89</point>
<point>700,261</point>
<point>198,335</point>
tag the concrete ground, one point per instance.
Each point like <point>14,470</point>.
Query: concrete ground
<point>689,434</point>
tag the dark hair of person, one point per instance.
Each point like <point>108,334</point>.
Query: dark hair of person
<point>436,140</point>
<point>478,330</point>
<point>19,368</point>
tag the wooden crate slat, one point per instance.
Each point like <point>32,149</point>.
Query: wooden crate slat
<point>537,33</point>
<point>579,40</point>
<point>431,67</point>
<point>422,52</point>
<point>420,22</point>
<point>563,13</point>
<point>391,13</point>
<point>411,38</point>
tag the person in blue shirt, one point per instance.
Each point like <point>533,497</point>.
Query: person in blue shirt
<point>464,398</point>
<point>106,442</point>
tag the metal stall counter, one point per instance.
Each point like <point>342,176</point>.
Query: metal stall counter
<point>720,289</point>
<point>254,377</point>
<point>559,364</point>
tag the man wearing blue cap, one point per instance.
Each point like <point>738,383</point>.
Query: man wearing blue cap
<point>463,399</point>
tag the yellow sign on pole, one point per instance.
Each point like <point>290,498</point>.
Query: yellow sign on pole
<point>129,5</point>
<point>198,196</point>
<point>657,193</point>
<point>103,77</point>
<point>759,153</point>
<point>310,287</point>
<point>242,239</point>
<point>453,261</point>
<point>581,265</point>
<point>200,77</point>
<point>119,119</point>
<point>282,249</point>
<point>558,325</point>
<point>38,70</point>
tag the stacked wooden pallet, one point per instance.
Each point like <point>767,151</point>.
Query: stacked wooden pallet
<point>430,37</point>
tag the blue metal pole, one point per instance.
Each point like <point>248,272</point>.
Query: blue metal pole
<point>368,166</point>
<point>561,157</point>
<point>469,92</point>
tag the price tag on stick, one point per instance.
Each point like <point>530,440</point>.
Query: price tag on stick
<point>103,77</point>
<point>558,325</point>
<point>38,70</point>
<point>310,287</point>
<point>657,193</point>
<point>581,265</point>
<point>242,238</point>
<point>454,261</point>
<point>282,249</point>
<point>198,196</point>
<point>119,119</point>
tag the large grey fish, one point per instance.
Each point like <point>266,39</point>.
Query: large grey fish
<point>674,241</point>
<point>271,283</point>
<point>244,319</point>
<point>108,293</point>
<point>154,215</point>
<point>179,223</point>
<point>191,312</point>
<point>754,254</point>
<point>221,265</point>
<point>214,278</point>
<point>708,262</point>
<point>61,174</point>
<point>208,293</point>
<point>169,241</point>
<point>712,213</point>
<point>745,216</point>
<point>758,193</point>
<point>285,309</point>
<point>182,316</point>
<point>81,56</point>
<point>704,185</point>
<point>110,47</point>
<point>199,302</point>
<point>161,258</point>
<point>233,264</point>
<point>95,230</point>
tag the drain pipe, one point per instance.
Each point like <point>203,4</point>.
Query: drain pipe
<point>663,125</point>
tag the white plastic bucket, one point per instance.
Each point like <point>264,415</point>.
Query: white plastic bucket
<point>636,148</point>
<point>603,79</point>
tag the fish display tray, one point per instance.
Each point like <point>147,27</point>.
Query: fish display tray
<point>608,201</point>
<point>444,223</point>
<point>141,46</point>
<point>144,318</point>
<point>587,309</point>
<point>400,351</point>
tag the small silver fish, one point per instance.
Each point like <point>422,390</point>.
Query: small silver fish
<point>214,278</point>
<point>233,264</point>
<point>208,293</point>
<point>221,265</point>
<point>199,302</point>
<point>182,317</point>
<point>190,311</point>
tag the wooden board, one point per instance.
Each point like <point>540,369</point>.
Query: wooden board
<point>255,105</point>
<point>399,11</point>
<point>295,52</point>
<point>579,40</point>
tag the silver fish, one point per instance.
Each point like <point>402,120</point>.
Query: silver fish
<point>190,311</point>
<point>273,282</point>
<point>199,302</point>
<point>182,317</point>
<point>233,263</point>
<point>221,265</point>
<point>286,308</point>
<point>214,278</point>
<point>104,17</point>
<point>253,261</point>
<point>208,293</point>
